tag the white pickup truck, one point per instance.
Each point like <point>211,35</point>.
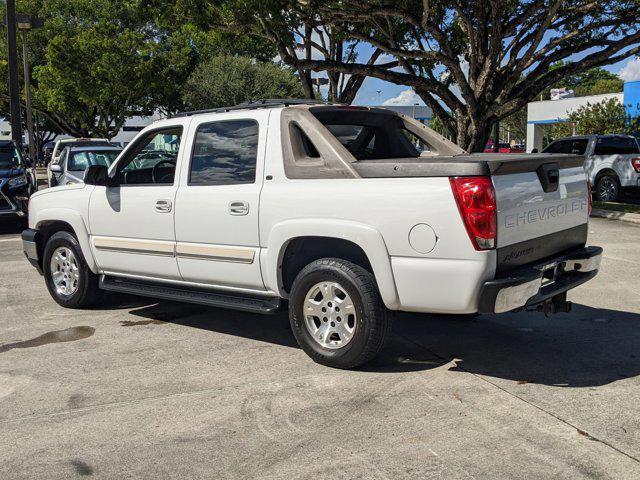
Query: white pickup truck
<point>344,213</point>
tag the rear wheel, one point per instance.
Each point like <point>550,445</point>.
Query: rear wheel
<point>336,313</point>
<point>608,188</point>
<point>69,280</point>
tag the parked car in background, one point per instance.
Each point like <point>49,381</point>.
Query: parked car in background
<point>612,164</point>
<point>16,180</point>
<point>47,150</point>
<point>504,148</point>
<point>74,161</point>
<point>73,142</point>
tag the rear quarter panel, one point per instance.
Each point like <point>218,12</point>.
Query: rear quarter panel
<point>445,279</point>
<point>621,164</point>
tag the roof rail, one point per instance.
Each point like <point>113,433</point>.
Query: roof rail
<point>255,104</point>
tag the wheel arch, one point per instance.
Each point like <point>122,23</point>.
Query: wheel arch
<point>294,244</point>
<point>50,221</point>
<point>605,171</point>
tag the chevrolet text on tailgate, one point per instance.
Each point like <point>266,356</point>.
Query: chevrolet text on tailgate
<point>345,214</point>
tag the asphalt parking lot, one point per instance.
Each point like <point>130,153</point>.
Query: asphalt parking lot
<point>140,389</point>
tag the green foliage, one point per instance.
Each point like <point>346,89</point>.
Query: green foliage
<point>436,124</point>
<point>594,81</point>
<point>516,124</point>
<point>97,62</point>
<point>606,117</point>
<point>98,77</point>
<point>226,80</point>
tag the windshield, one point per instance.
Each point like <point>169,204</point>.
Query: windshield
<point>80,161</point>
<point>9,157</point>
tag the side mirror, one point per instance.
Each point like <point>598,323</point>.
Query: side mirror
<point>56,168</point>
<point>535,150</point>
<point>97,175</point>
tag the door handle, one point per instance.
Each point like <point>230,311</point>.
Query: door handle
<point>239,208</point>
<point>163,206</point>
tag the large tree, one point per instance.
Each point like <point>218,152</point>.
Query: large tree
<point>227,80</point>
<point>298,36</point>
<point>473,62</point>
<point>97,62</point>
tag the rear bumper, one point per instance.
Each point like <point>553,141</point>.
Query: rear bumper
<point>30,248</point>
<point>534,284</point>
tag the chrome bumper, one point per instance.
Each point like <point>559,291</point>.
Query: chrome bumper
<point>537,283</point>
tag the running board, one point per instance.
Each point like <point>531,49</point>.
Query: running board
<point>231,301</point>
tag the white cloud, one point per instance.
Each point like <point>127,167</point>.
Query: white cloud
<point>631,71</point>
<point>406,97</point>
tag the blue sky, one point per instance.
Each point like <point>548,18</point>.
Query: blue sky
<point>368,94</point>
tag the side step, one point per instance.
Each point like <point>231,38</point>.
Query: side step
<point>231,301</point>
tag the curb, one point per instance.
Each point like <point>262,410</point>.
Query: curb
<point>614,215</point>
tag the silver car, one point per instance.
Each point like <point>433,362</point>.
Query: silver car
<point>74,161</point>
<point>612,162</point>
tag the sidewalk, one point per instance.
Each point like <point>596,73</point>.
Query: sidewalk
<point>614,215</point>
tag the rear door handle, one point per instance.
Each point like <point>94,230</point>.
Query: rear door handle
<point>239,208</point>
<point>163,206</point>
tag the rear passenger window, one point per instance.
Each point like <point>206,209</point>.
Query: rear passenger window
<point>561,146</point>
<point>225,153</point>
<point>616,146</point>
<point>579,147</point>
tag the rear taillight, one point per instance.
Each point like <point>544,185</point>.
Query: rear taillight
<point>635,163</point>
<point>589,196</point>
<point>476,201</point>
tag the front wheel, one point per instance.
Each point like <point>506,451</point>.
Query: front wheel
<point>336,313</point>
<point>608,188</point>
<point>69,280</point>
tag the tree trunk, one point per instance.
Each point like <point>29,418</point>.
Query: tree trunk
<point>473,132</point>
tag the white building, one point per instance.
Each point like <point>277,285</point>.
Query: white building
<point>556,111</point>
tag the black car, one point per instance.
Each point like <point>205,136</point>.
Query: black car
<point>16,181</point>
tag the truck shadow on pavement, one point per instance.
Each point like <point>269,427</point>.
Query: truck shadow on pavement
<point>587,347</point>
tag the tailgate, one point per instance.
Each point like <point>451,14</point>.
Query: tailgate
<point>543,208</point>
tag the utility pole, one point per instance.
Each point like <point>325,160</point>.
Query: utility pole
<point>14,85</point>
<point>25,23</point>
<point>496,137</point>
<point>27,88</point>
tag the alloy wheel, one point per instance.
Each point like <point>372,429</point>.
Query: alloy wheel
<point>329,315</point>
<point>64,271</point>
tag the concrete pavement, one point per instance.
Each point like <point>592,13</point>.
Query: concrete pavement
<point>140,389</point>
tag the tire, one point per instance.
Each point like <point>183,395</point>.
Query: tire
<point>81,288</point>
<point>608,188</point>
<point>349,337</point>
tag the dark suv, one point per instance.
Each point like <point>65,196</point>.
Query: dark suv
<point>16,181</point>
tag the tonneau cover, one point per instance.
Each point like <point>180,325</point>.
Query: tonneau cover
<point>463,165</point>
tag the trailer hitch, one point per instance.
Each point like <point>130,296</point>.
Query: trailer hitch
<point>556,304</point>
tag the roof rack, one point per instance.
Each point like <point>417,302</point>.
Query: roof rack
<point>255,104</point>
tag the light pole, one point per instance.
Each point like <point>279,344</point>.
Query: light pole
<point>14,86</point>
<point>496,138</point>
<point>25,23</point>
<point>318,81</point>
